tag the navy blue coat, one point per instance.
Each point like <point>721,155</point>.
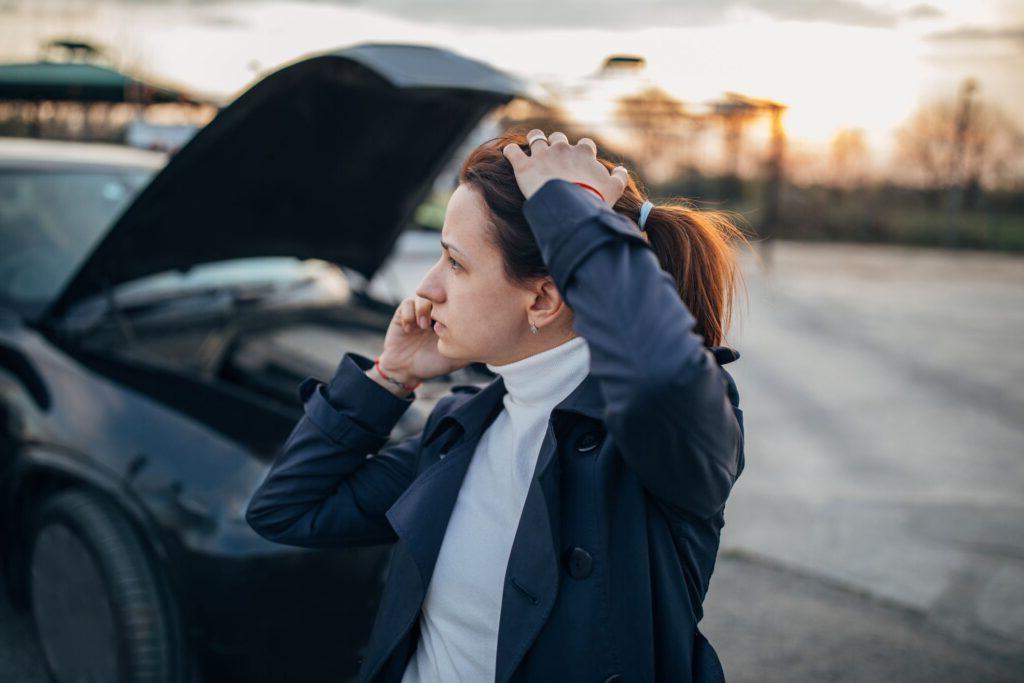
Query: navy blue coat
<point>620,528</point>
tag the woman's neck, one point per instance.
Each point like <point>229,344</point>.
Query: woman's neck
<point>547,376</point>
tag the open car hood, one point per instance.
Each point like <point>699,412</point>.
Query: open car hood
<point>326,158</point>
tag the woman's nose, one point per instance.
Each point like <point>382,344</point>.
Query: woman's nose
<point>429,287</point>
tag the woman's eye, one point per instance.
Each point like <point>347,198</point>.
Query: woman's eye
<point>454,263</point>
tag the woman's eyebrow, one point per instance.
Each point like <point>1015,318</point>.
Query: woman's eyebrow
<point>452,247</point>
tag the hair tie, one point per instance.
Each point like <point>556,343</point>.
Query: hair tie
<point>645,211</point>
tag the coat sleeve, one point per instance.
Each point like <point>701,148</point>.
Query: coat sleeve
<point>669,405</point>
<point>330,485</point>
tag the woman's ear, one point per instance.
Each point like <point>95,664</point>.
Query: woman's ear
<point>547,301</point>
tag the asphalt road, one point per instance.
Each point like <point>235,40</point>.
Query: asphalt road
<point>770,623</point>
<point>884,406</point>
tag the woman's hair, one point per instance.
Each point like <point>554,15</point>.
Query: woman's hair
<point>696,247</point>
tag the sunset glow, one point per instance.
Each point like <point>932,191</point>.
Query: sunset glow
<point>831,75</point>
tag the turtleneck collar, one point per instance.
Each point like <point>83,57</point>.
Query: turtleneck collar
<point>547,377</point>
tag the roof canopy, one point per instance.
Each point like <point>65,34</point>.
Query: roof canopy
<point>77,82</point>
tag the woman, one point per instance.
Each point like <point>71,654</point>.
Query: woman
<point>562,523</point>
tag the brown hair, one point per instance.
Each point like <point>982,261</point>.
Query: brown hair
<point>696,247</point>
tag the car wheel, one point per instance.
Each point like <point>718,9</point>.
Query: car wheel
<point>101,611</point>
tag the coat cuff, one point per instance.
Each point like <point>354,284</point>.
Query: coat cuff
<point>569,222</point>
<point>352,401</point>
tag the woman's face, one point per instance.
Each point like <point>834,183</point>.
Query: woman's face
<point>484,316</point>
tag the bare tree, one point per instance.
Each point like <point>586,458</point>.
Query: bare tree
<point>657,124</point>
<point>523,115</point>
<point>849,159</point>
<point>959,142</point>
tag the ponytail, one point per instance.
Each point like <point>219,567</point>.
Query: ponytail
<point>699,249</point>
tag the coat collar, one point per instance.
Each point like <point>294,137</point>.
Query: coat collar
<point>475,412</point>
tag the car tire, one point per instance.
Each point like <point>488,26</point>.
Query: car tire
<point>101,610</point>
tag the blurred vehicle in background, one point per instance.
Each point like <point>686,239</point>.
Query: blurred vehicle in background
<point>160,137</point>
<point>156,318</point>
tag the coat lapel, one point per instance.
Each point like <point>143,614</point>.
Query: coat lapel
<point>420,515</point>
<point>531,581</point>
<point>420,518</point>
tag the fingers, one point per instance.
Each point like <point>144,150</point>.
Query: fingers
<point>587,142</point>
<point>557,137</point>
<point>406,313</point>
<point>414,312</point>
<point>621,175</point>
<point>536,137</point>
<point>547,158</point>
<point>423,308</point>
<point>515,154</point>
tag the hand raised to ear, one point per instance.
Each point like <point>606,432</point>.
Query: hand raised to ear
<point>554,157</point>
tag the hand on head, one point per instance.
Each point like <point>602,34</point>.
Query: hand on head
<point>553,157</point>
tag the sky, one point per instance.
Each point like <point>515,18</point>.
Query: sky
<point>834,63</point>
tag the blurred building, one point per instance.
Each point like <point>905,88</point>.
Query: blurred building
<point>75,92</point>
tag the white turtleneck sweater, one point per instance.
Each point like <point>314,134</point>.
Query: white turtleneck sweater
<point>462,607</point>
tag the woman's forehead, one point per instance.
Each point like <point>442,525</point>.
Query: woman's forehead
<point>465,218</point>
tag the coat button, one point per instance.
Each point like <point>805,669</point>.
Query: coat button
<point>588,442</point>
<point>578,562</point>
<point>615,678</point>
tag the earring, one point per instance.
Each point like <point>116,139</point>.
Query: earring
<point>534,328</point>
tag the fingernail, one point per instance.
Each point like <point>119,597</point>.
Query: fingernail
<point>423,321</point>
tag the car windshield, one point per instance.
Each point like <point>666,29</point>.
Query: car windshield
<point>50,221</point>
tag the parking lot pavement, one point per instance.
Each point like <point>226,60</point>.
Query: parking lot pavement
<point>770,623</point>
<point>883,390</point>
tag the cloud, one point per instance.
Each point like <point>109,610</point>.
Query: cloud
<point>638,13</point>
<point>220,21</point>
<point>565,14</point>
<point>980,34</point>
<point>924,12</point>
<point>606,14</point>
<point>561,15</point>
<point>830,11</point>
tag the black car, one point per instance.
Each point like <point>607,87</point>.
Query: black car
<point>155,323</point>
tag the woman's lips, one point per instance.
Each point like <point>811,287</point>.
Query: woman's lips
<point>438,325</point>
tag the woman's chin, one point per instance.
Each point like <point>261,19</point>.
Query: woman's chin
<point>450,351</point>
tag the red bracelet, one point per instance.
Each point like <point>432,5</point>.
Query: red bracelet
<point>376,364</point>
<point>592,189</point>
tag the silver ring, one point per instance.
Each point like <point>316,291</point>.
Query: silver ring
<point>540,136</point>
